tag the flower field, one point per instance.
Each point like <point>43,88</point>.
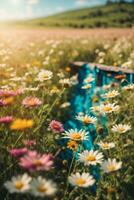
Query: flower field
<point>42,155</point>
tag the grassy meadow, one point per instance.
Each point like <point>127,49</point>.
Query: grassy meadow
<point>36,86</point>
<point>109,15</point>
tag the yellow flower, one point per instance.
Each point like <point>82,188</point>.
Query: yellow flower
<point>68,69</point>
<point>20,124</point>
<point>72,145</point>
<point>8,100</point>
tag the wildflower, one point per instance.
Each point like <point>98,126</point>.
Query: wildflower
<point>87,119</point>
<point>20,124</point>
<point>81,180</point>
<point>68,69</point>
<point>45,75</point>
<point>19,184</point>
<point>111,94</point>
<point>31,102</point>
<point>73,145</point>
<point>65,82</point>
<point>121,128</point>
<point>76,135</point>
<point>6,101</point>
<point>106,145</point>
<point>56,126</point>
<point>91,157</point>
<point>6,93</point>
<point>42,187</point>
<point>18,152</point>
<point>34,161</point>
<point>65,105</point>
<point>111,165</point>
<point>129,87</point>
<point>6,119</point>
<point>54,90</point>
<point>109,108</point>
<point>29,143</point>
<point>95,109</point>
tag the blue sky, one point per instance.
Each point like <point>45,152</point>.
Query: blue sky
<point>20,9</point>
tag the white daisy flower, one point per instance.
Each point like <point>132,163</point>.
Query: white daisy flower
<point>95,109</point>
<point>19,184</point>
<point>111,165</point>
<point>65,82</point>
<point>42,187</point>
<point>65,105</point>
<point>77,135</point>
<point>81,180</point>
<point>91,157</point>
<point>129,87</point>
<point>111,94</point>
<point>106,145</point>
<point>44,75</point>
<point>109,108</point>
<point>121,128</point>
<point>87,119</point>
<point>84,87</point>
<point>89,79</point>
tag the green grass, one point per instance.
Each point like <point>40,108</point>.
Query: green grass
<point>113,15</point>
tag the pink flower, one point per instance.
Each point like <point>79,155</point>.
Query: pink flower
<point>31,102</point>
<point>7,93</point>
<point>56,126</point>
<point>19,91</point>
<point>29,143</point>
<point>36,162</point>
<point>2,103</point>
<point>18,152</point>
<point>6,119</point>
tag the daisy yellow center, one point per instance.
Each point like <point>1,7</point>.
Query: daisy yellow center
<point>45,76</point>
<point>19,185</point>
<point>42,189</point>
<point>87,120</point>
<point>80,181</point>
<point>121,129</point>
<point>111,168</point>
<point>91,158</point>
<point>72,145</point>
<point>105,145</point>
<point>76,136</point>
<point>111,95</point>
<point>107,108</point>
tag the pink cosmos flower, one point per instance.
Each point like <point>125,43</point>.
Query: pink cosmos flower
<point>29,143</point>
<point>56,126</point>
<point>18,152</point>
<point>31,102</point>
<point>7,93</point>
<point>6,119</point>
<point>36,162</point>
<point>19,91</point>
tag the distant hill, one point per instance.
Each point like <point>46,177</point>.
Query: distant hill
<point>110,15</point>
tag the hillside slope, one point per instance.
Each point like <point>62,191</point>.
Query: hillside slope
<point>113,15</point>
